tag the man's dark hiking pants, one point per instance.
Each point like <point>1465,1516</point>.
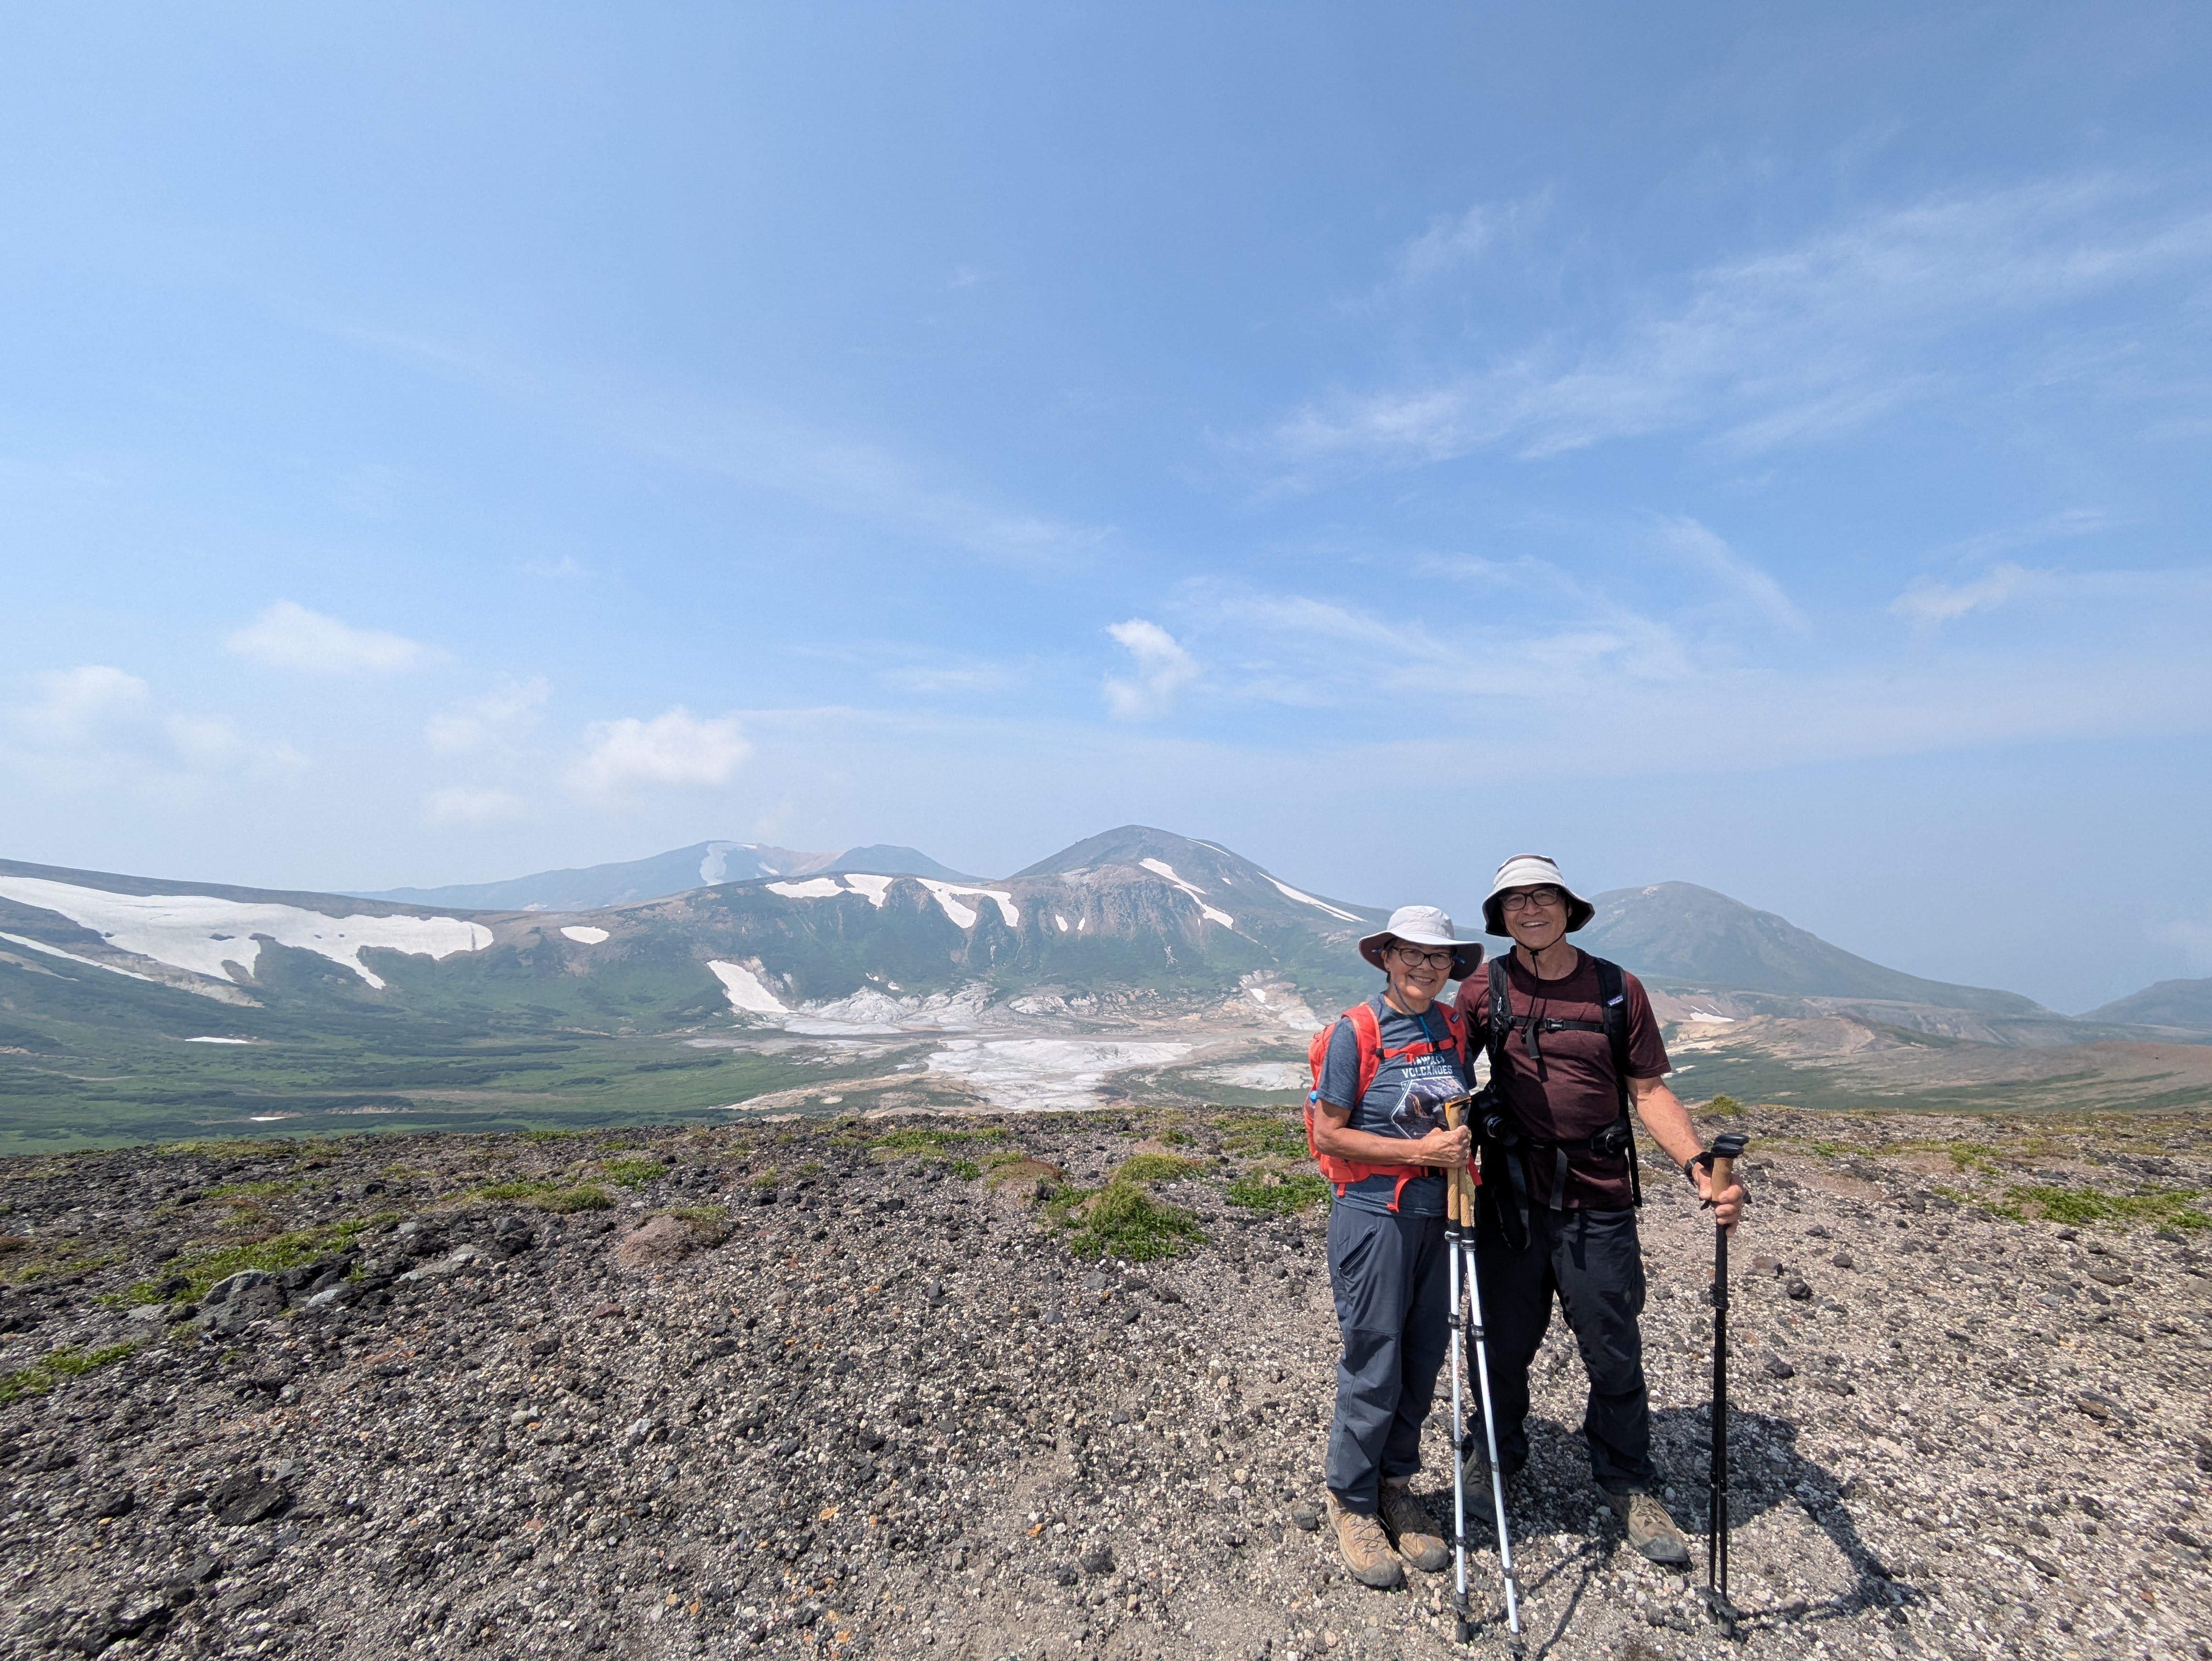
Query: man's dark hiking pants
<point>1388,1271</point>
<point>1592,1261</point>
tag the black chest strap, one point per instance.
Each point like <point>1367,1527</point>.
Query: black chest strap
<point>1616,1140</point>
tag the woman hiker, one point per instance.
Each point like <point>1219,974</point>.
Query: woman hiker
<point>1376,1123</point>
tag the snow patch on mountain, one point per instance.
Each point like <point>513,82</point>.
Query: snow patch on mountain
<point>585,935</point>
<point>1162,868</point>
<point>89,962</point>
<point>1289,893</point>
<point>199,933</point>
<point>876,888</point>
<point>965,915</point>
<point>816,888</point>
<point>744,989</point>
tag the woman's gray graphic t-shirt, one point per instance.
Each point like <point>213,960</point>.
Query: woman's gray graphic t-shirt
<point>1406,1099</point>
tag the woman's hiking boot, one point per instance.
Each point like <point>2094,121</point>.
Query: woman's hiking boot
<point>1650,1530</point>
<point>1408,1523</point>
<point>1365,1548</point>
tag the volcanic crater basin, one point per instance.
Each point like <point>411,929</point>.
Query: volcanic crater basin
<point>847,1388</point>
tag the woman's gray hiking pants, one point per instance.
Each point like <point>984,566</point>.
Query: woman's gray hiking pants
<point>1388,1270</point>
<point>1591,1261</point>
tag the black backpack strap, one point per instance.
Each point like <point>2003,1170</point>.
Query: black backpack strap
<point>1501,1019</point>
<point>1612,1007</point>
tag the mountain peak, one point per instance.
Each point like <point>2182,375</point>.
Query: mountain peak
<point>1681,934</point>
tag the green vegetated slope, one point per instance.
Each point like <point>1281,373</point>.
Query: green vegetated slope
<point>91,1058</point>
<point>2185,1005</point>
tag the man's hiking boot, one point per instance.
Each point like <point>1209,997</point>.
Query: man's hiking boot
<point>1650,1530</point>
<point>1366,1548</point>
<point>1408,1523</point>
<point>1477,1469</point>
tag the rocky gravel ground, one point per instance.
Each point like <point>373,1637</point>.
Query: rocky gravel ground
<point>847,1388</point>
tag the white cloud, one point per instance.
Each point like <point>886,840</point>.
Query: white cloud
<point>1711,554</point>
<point>463,804</point>
<point>96,710</point>
<point>287,635</point>
<point>509,710</point>
<point>675,747</point>
<point>1163,669</point>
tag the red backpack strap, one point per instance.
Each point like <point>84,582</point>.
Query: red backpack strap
<point>1368,1032</point>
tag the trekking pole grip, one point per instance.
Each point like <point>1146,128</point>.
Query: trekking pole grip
<point>1720,1162</point>
<point>1459,1207</point>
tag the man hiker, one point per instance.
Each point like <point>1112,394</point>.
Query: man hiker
<point>1374,1122</point>
<point>1573,1045</point>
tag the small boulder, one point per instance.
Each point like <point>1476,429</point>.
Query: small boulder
<point>661,1240</point>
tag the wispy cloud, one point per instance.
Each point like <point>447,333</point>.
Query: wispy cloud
<point>1927,602</point>
<point>288,636</point>
<point>1805,341</point>
<point>1161,669</point>
<point>509,710</point>
<point>1452,242</point>
<point>1709,553</point>
<point>675,747</point>
<point>2052,528</point>
<point>765,450</point>
<point>962,678</point>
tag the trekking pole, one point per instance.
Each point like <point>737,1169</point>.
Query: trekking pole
<point>1461,1629</point>
<point>1490,1428</point>
<point>1460,1204</point>
<point>1720,1164</point>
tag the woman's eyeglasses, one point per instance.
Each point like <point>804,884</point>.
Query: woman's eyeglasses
<point>1414,958</point>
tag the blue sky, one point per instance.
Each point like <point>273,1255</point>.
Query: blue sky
<point>1762,446</point>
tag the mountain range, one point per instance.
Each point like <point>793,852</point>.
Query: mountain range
<point>133,1008</point>
<point>702,865</point>
<point>1132,908</point>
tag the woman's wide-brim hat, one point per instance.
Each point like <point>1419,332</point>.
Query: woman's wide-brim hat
<point>1423,925</point>
<point>1532,871</point>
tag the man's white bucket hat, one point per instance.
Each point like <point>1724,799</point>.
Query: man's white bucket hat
<point>1532,871</point>
<point>1424,925</point>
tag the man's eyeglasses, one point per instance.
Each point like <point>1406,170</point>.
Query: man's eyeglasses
<point>1546,898</point>
<point>1414,958</point>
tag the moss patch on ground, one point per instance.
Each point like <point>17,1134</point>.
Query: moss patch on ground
<point>1279,1192</point>
<point>1124,1219</point>
<point>56,1365</point>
